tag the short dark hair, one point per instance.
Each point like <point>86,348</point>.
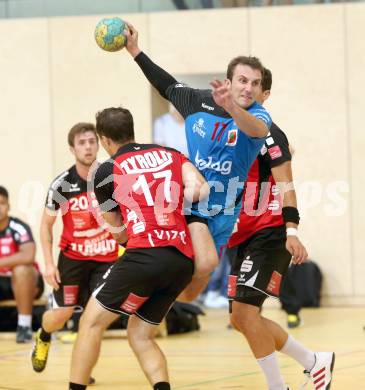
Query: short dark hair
<point>4,192</point>
<point>115,123</point>
<point>266,81</point>
<point>80,128</point>
<point>250,61</point>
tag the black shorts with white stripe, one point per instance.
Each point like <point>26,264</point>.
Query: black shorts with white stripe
<point>145,282</point>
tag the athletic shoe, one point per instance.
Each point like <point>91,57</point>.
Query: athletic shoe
<point>321,374</point>
<point>68,338</point>
<point>293,321</point>
<point>214,300</point>
<point>40,353</point>
<point>23,334</point>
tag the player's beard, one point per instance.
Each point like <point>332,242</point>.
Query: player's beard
<point>86,162</point>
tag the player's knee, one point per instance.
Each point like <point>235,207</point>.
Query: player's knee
<point>91,323</point>
<point>245,315</point>
<point>241,320</point>
<point>204,266</point>
<point>25,273</point>
<point>138,340</point>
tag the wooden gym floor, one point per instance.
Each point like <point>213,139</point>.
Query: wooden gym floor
<point>213,358</point>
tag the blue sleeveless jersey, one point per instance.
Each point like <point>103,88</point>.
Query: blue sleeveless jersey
<point>218,148</point>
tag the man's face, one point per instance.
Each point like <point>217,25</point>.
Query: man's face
<point>85,148</point>
<point>4,208</point>
<point>245,85</point>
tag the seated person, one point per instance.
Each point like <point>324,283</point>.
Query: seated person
<point>20,278</point>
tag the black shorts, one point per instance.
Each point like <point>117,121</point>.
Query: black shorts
<point>79,278</point>
<point>145,282</point>
<point>260,264</point>
<point>195,218</point>
<point>6,291</point>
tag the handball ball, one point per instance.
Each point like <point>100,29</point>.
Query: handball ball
<point>109,34</point>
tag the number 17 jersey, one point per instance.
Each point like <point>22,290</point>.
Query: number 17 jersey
<point>218,148</point>
<point>144,183</point>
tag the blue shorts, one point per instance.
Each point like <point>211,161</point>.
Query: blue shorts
<point>221,228</point>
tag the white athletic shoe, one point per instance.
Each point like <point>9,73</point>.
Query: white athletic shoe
<point>321,374</point>
<point>214,300</point>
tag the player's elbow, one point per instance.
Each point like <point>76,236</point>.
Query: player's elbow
<point>28,257</point>
<point>261,130</point>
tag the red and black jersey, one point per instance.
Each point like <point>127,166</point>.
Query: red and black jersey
<point>144,182</point>
<point>82,237</point>
<point>262,201</point>
<point>16,234</point>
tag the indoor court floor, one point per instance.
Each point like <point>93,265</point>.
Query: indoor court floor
<point>213,358</point>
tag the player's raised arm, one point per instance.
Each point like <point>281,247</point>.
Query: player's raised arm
<point>158,77</point>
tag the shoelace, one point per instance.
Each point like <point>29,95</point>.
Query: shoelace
<point>41,350</point>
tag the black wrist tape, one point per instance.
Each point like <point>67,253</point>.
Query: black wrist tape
<point>291,214</point>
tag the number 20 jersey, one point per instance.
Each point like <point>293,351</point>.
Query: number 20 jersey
<point>82,238</point>
<point>144,183</point>
<point>217,147</point>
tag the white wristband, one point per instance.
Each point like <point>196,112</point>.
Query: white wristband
<point>291,231</point>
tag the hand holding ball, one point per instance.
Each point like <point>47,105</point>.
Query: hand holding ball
<point>109,34</point>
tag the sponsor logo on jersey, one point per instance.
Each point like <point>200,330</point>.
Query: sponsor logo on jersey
<point>94,247</point>
<point>147,162</point>
<point>74,188</point>
<point>263,150</point>
<point>223,167</point>
<point>198,127</point>
<point>210,108</point>
<point>275,152</point>
<point>232,137</point>
<point>270,141</point>
<point>5,250</point>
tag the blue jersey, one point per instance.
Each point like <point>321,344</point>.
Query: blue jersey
<point>218,148</point>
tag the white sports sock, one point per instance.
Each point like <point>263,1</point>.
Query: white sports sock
<point>270,366</point>
<point>298,352</point>
<point>25,320</point>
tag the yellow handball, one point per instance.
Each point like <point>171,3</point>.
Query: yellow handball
<point>109,34</point>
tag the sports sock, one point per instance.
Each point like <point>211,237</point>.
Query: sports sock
<point>161,386</point>
<point>25,320</point>
<point>45,336</point>
<point>298,352</point>
<point>270,366</point>
<point>76,386</point>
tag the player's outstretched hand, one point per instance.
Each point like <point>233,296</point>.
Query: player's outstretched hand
<point>52,276</point>
<point>296,249</point>
<point>132,40</point>
<point>221,94</point>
